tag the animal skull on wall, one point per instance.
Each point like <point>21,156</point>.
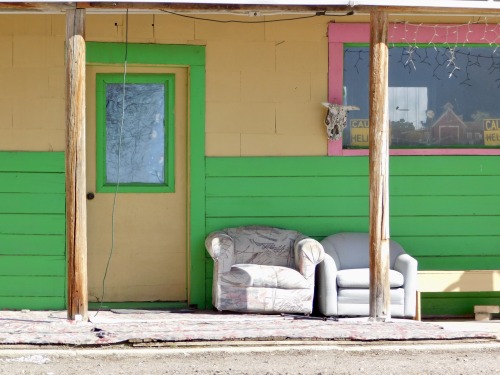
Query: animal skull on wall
<point>336,119</point>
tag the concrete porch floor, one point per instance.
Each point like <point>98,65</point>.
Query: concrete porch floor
<point>491,326</point>
<point>162,327</point>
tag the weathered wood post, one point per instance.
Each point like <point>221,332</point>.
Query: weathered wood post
<point>379,168</point>
<point>76,212</point>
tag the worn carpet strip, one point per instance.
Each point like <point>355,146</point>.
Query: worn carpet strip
<point>108,327</point>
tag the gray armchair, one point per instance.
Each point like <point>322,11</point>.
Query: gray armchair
<point>343,278</point>
<point>263,269</point>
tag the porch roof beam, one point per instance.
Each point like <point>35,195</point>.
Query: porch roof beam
<point>493,8</point>
<point>36,7</point>
<point>486,8</point>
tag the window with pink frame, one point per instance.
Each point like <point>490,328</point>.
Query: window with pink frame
<point>444,88</point>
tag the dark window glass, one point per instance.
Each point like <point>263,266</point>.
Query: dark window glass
<point>439,96</point>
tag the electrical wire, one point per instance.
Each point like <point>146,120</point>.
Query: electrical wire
<point>112,248</point>
<point>317,14</point>
<point>120,138</point>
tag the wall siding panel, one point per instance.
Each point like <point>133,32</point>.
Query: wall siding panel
<point>32,230</point>
<point>456,304</point>
<point>444,210</point>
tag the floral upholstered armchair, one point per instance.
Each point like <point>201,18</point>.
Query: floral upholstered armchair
<point>263,269</point>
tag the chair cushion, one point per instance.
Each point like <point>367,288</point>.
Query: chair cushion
<point>359,278</point>
<point>263,245</point>
<point>257,275</point>
<point>349,296</point>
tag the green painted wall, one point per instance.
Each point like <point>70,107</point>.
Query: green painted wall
<point>444,209</point>
<point>32,231</point>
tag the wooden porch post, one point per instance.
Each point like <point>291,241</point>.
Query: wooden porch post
<point>379,168</point>
<point>76,212</point>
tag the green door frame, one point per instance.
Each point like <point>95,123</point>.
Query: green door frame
<point>193,58</point>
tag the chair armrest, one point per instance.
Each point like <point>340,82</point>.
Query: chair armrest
<point>308,253</point>
<point>220,246</point>
<point>407,266</point>
<point>325,296</point>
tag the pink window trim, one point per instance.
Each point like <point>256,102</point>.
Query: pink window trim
<point>340,33</point>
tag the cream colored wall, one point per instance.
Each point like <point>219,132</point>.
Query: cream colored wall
<point>265,85</point>
<point>265,81</point>
<point>32,88</point>
<point>458,281</point>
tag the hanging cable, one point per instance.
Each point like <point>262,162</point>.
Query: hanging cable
<point>317,14</point>
<point>112,247</point>
<point>120,138</point>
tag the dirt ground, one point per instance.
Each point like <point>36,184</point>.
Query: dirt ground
<point>448,359</point>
